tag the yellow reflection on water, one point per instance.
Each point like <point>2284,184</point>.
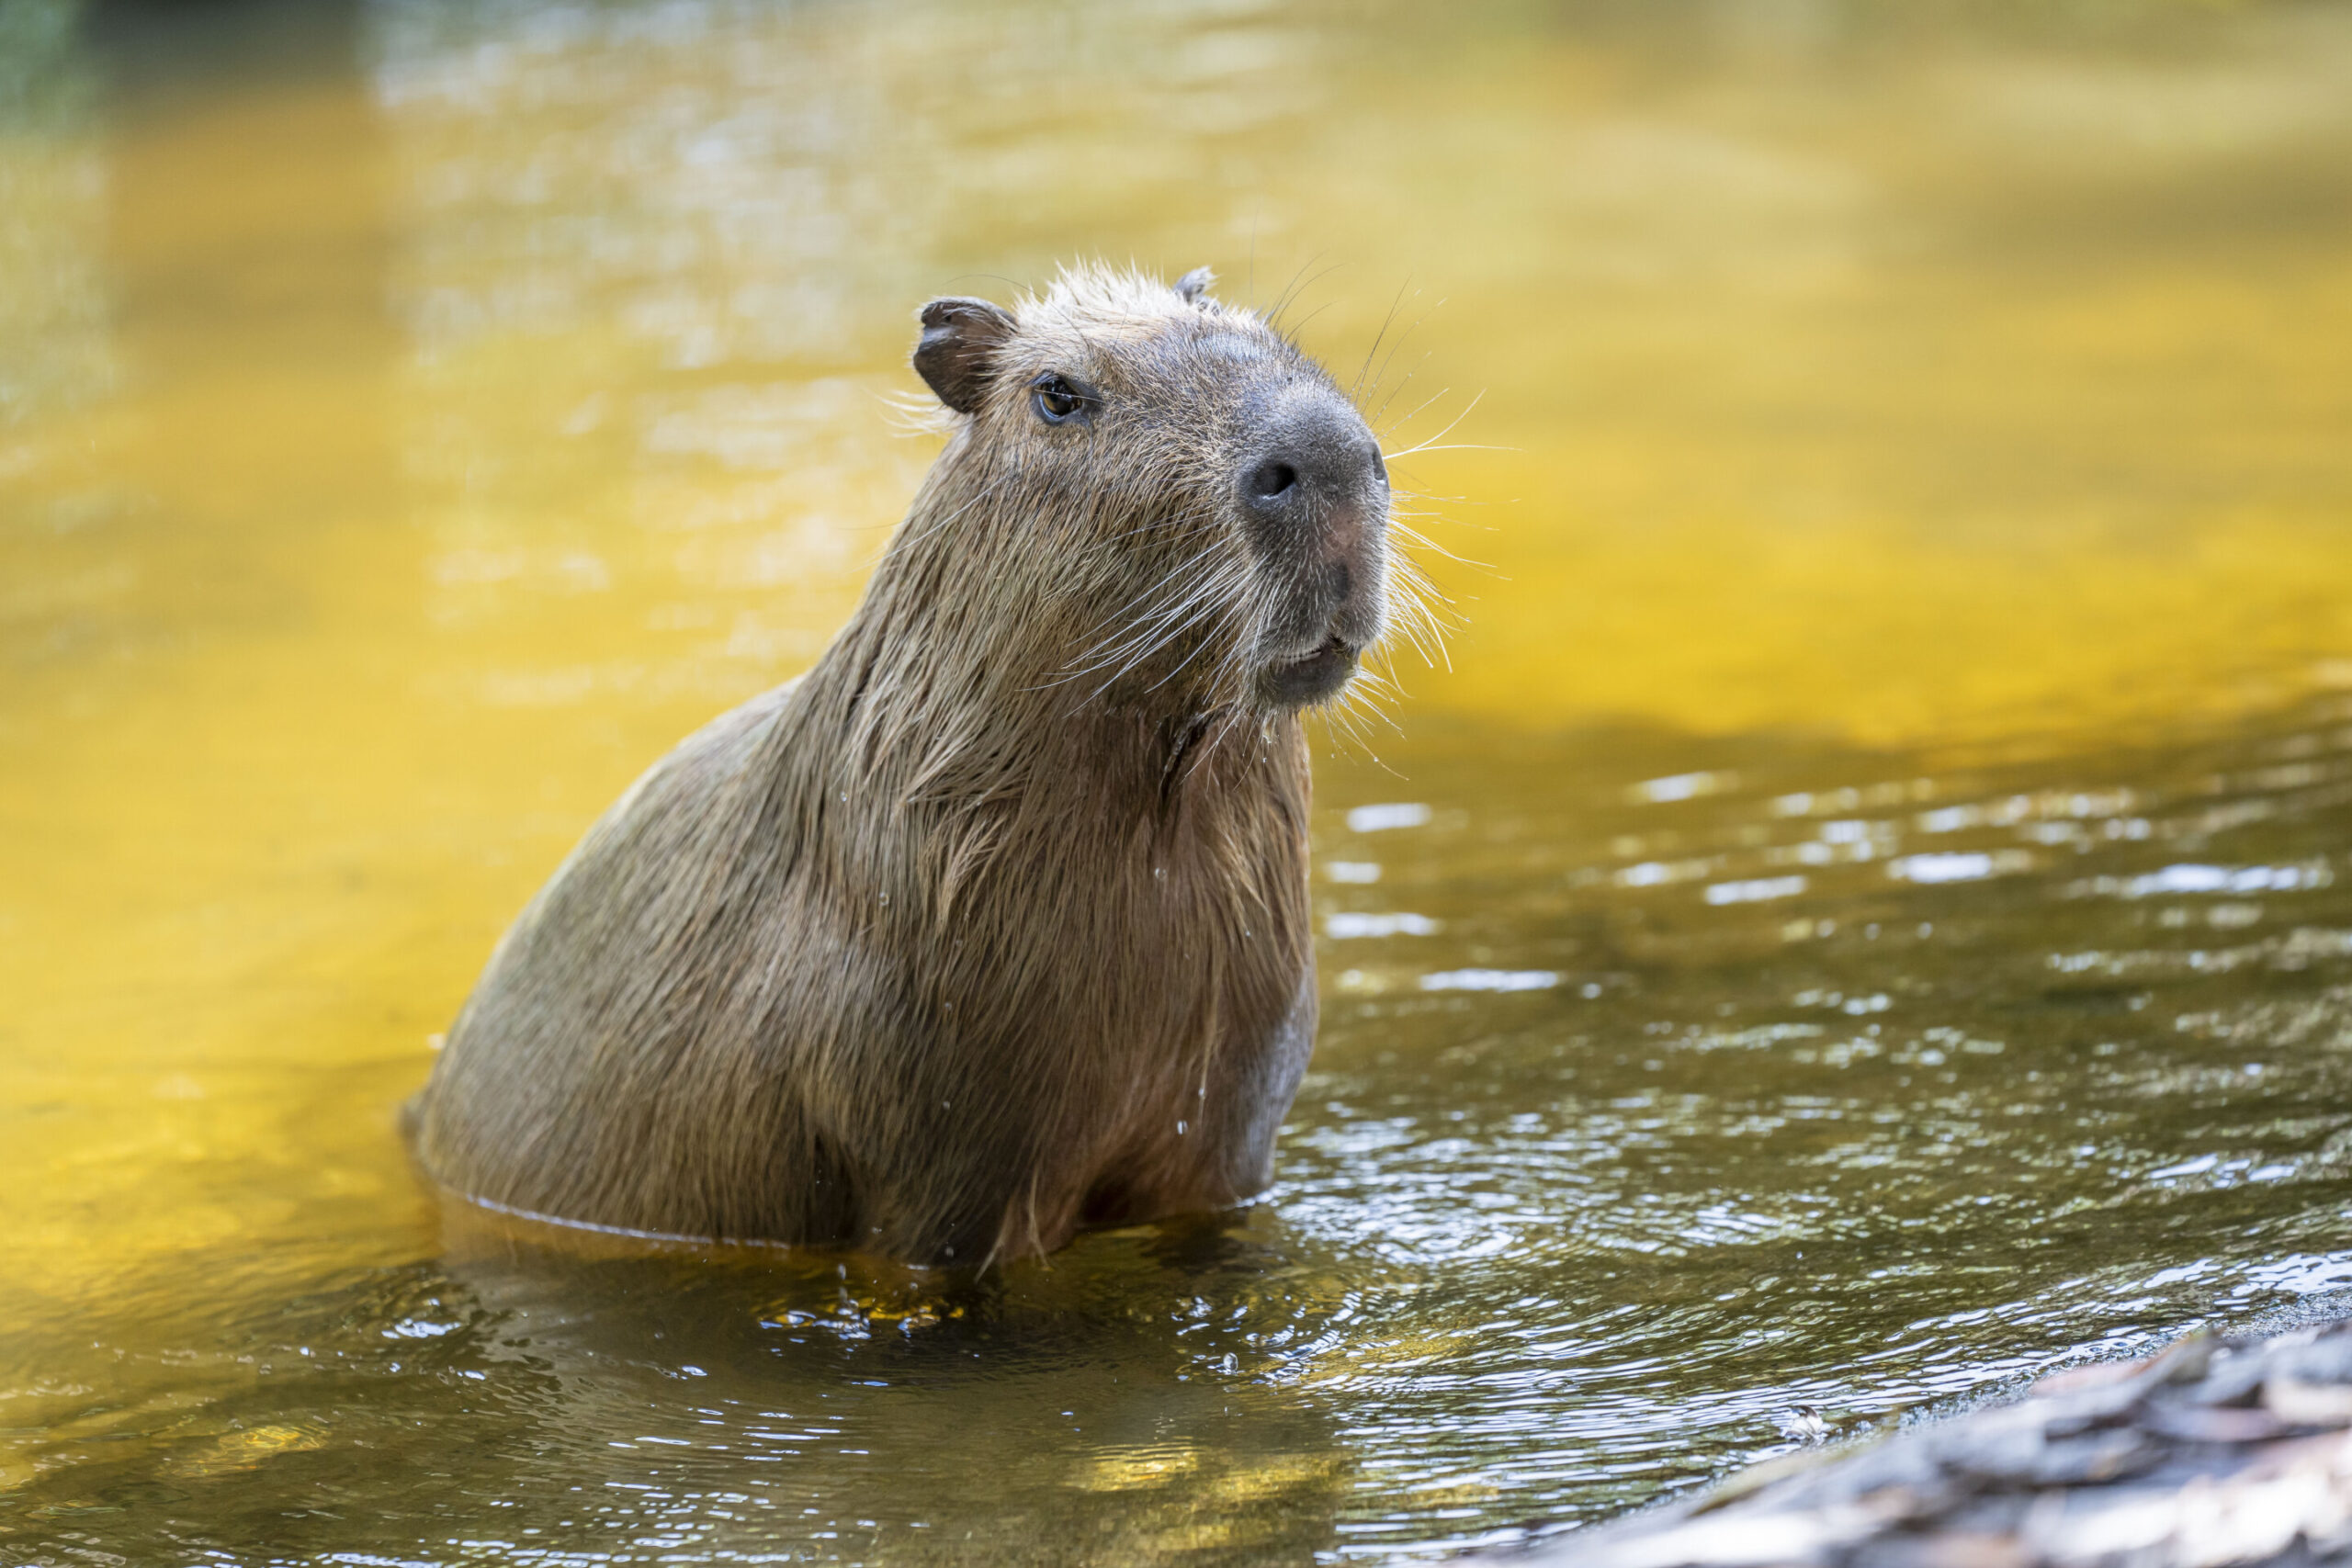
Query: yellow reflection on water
<point>398,452</point>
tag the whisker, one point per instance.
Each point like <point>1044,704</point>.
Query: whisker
<point>1466,409</point>
<point>1356,386</point>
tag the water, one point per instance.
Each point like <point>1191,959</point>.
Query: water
<point>1867,913</point>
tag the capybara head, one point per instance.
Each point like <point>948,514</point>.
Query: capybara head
<point>1177,507</point>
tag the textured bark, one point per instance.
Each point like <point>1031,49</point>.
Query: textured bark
<point>2217,1451</point>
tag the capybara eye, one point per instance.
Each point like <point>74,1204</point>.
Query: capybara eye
<point>1058,399</point>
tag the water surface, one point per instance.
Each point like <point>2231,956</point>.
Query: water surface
<point>1866,914</point>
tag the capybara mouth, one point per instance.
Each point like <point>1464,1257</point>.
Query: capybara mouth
<point>1310,677</point>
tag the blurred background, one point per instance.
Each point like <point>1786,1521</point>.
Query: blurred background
<point>1861,919</point>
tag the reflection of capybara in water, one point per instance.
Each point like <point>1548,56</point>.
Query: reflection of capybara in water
<point>994,923</point>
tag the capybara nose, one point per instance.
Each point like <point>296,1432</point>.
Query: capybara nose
<point>1272,485</point>
<point>1318,463</point>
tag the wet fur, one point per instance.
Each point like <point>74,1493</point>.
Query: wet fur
<point>995,923</point>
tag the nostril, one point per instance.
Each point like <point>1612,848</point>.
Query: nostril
<point>1272,479</point>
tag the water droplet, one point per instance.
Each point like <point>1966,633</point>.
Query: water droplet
<point>1180,1127</point>
<point>1159,874</point>
<point>885,898</point>
<point>844,797</point>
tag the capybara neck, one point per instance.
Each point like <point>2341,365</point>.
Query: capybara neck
<point>995,924</point>
<point>945,690</point>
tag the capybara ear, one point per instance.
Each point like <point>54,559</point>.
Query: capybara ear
<point>1194,284</point>
<point>957,349</point>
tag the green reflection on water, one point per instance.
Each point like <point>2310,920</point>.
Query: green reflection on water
<point>1869,915</point>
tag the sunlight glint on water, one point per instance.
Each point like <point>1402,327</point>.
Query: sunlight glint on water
<point>1867,913</point>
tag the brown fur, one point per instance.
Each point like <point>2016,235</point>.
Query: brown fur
<point>995,923</point>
